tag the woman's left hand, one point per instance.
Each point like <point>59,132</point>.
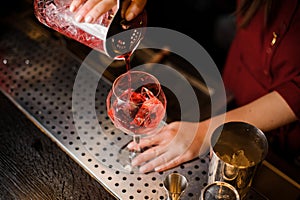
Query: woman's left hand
<point>176,143</point>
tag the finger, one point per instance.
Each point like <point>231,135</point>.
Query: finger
<point>98,10</point>
<point>162,160</point>
<point>182,158</point>
<point>134,9</point>
<point>153,139</point>
<point>92,9</point>
<point>171,164</point>
<point>149,154</point>
<point>161,138</point>
<point>146,142</point>
<point>124,7</point>
<point>75,4</point>
<point>84,9</point>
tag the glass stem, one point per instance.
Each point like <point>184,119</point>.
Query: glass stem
<point>137,148</point>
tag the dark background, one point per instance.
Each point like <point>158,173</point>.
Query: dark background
<point>202,20</point>
<point>206,21</point>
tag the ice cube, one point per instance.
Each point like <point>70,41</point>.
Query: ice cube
<point>239,159</point>
<point>226,158</point>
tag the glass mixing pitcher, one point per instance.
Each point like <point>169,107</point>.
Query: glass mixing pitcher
<point>110,34</point>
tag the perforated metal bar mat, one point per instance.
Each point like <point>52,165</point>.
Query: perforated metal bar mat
<point>38,76</point>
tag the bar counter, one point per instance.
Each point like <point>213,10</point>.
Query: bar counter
<point>46,154</point>
<point>32,166</point>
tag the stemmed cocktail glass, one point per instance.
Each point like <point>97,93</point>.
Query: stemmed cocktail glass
<point>136,104</point>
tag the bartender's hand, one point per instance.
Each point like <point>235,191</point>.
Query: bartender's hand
<point>176,143</point>
<point>90,10</point>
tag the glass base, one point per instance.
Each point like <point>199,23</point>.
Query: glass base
<point>125,157</point>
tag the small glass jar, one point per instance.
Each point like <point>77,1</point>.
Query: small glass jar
<point>219,191</point>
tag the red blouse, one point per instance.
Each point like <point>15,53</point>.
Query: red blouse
<point>263,60</point>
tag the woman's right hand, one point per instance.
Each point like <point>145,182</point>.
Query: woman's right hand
<point>89,11</point>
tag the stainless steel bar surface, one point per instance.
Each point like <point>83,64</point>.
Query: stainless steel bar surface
<point>39,79</point>
<point>39,75</point>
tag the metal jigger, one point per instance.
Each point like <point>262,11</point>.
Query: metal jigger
<point>175,184</point>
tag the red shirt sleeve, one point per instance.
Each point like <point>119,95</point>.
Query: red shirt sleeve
<point>290,91</point>
<point>262,60</point>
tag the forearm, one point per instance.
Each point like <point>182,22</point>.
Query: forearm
<point>266,113</point>
<point>193,139</point>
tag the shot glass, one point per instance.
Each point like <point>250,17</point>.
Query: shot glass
<point>175,185</point>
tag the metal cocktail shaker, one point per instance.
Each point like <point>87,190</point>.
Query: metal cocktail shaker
<point>110,35</point>
<point>237,150</point>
